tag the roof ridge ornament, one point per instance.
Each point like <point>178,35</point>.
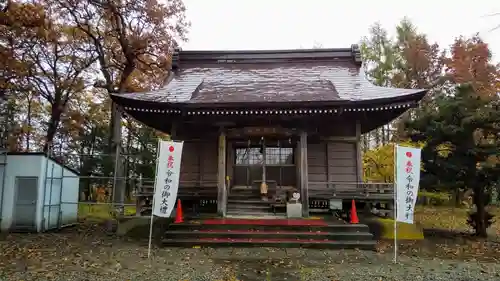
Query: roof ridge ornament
<point>356,54</point>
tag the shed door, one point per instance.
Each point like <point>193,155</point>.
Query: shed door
<point>25,203</point>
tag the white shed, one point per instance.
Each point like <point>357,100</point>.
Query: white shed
<point>36,193</point>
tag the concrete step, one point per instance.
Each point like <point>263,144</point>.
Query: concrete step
<point>238,196</point>
<point>248,212</point>
<point>244,190</point>
<point>244,195</point>
<point>275,234</point>
<point>248,207</point>
<point>278,243</point>
<point>258,201</point>
<point>271,225</point>
<point>244,187</point>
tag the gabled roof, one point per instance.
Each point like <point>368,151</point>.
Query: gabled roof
<point>270,78</point>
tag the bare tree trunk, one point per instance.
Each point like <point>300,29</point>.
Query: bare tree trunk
<point>116,151</point>
<point>55,118</point>
<point>365,138</point>
<point>479,201</point>
<point>128,145</point>
<point>28,121</point>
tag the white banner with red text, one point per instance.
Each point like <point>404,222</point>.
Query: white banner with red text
<point>168,168</point>
<point>407,178</point>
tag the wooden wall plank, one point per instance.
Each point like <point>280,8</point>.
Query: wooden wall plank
<point>331,161</point>
<point>304,194</point>
<point>221,175</point>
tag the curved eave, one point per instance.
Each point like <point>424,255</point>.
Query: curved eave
<point>144,105</point>
<point>189,108</point>
<point>155,120</point>
<point>370,121</point>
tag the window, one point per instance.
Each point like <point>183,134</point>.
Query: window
<point>274,156</point>
<point>279,155</point>
<point>248,156</point>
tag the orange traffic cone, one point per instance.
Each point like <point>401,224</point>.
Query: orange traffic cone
<point>354,213</point>
<point>178,213</point>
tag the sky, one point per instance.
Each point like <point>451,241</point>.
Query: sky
<point>290,24</point>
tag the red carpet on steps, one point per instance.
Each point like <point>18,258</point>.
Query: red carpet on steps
<point>296,222</point>
<point>245,231</point>
<point>281,233</point>
<point>263,240</point>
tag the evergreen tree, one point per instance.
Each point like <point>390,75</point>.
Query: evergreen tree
<point>462,137</point>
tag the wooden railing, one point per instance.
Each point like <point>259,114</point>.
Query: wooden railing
<point>351,190</point>
<point>195,188</point>
<point>195,195</point>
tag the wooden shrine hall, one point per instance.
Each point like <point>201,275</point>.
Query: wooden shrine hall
<point>265,131</point>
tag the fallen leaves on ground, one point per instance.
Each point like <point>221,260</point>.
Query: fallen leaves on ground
<point>88,248</point>
<point>453,245</point>
<point>449,218</point>
<point>448,236</point>
<point>85,247</point>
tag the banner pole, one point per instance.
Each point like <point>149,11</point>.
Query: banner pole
<point>153,202</point>
<point>395,204</point>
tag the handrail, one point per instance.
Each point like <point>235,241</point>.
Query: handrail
<point>360,188</point>
<point>350,182</point>
<point>196,182</point>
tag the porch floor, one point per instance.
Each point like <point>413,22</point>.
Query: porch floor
<point>261,217</point>
<point>269,221</point>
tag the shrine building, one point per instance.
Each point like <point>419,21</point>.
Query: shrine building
<point>263,129</point>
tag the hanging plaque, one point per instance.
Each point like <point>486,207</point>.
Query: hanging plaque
<point>261,131</point>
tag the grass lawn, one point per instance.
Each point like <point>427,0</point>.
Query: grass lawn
<point>449,218</point>
<point>428,217</point>
<point>100,211</point>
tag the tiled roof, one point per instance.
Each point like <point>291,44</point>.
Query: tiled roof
<point>295,76</point>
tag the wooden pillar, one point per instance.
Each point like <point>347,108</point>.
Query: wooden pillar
<point>229,166</point>
<point>221,176</point>
<point>173,131</point>
<point>304,180</point>
<point>199,149</point>
<point>264,183</point>
<point>359,157</point>
<point>327,163</point>
<point>298,166</point>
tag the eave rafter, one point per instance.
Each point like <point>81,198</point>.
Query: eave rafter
<point>269,111</point>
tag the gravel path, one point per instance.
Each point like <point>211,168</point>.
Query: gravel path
<point>247,264</point>
<point>77,255</point>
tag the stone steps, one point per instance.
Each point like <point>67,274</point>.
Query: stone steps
<point>276,243</point>
<point>247,201</point>
<point>285,233</point>
<point>270,234</point>
<point>248,207</point>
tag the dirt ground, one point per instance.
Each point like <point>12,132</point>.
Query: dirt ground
<point>85,252</point>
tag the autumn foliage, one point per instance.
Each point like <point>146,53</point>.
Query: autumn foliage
<point>56,53</point>
<point>458,120</point>
<point>62,58</point>
<point>60,61</point>
<point>378,163</point>
<point>470,62</point>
